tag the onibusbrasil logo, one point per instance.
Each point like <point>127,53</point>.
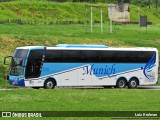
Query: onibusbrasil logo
<point>21,114</point>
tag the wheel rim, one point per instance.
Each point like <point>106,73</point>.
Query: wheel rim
<point>49,85</point>
<point>133,83</point>
<point>121,83</point>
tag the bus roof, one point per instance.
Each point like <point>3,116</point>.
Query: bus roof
<point>31,47</point>
<point>89,48</point>
<point>81,46</point>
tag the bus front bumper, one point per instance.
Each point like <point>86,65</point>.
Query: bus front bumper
<point>17,81</point>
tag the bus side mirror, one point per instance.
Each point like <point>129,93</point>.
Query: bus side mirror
<point>8,60</point>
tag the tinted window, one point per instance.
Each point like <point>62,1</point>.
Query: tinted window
<point>53,56</point>
<point>70,56</point>
<point>125,56</point>
<point>20,53</point>
<point>89,56</point>
<point>36,54</point>
<point>62,56</point>
<point>98,56</point>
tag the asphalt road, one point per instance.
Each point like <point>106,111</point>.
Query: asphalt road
<point>139,87</point>
<point>149,87</point>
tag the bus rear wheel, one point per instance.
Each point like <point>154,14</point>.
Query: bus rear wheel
<point>49,84</point>
<point>133,83</point>
<point>121,83</point>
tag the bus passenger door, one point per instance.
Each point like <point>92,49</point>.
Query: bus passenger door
<point>34,64</point>
<point>33,69</point>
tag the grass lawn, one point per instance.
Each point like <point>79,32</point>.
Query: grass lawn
<point>123,35</point>
<point>80,100</point>
<point>64,99</point>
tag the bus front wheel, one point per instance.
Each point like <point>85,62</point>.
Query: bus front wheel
<point>49,84</point>
<point>121,83</point>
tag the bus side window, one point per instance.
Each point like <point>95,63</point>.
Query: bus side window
<point>89,56</point>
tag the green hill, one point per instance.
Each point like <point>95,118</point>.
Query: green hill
<point>53,12</point>
<point>42,12</point>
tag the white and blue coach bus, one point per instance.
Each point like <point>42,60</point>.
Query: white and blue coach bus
<point>83,65</point>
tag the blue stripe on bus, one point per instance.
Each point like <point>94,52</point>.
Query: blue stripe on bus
<point>97,69</point>
<point>149,67</point>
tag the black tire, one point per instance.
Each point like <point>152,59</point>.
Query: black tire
<point>133,83</point>
<point>121,83</point>
<point>49,84</point>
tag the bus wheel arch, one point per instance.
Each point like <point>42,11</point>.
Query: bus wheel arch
<point>133,82</point>
<point>50,83</point>
<point>121,82</point>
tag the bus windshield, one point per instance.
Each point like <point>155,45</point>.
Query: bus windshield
<point>18,62</point>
